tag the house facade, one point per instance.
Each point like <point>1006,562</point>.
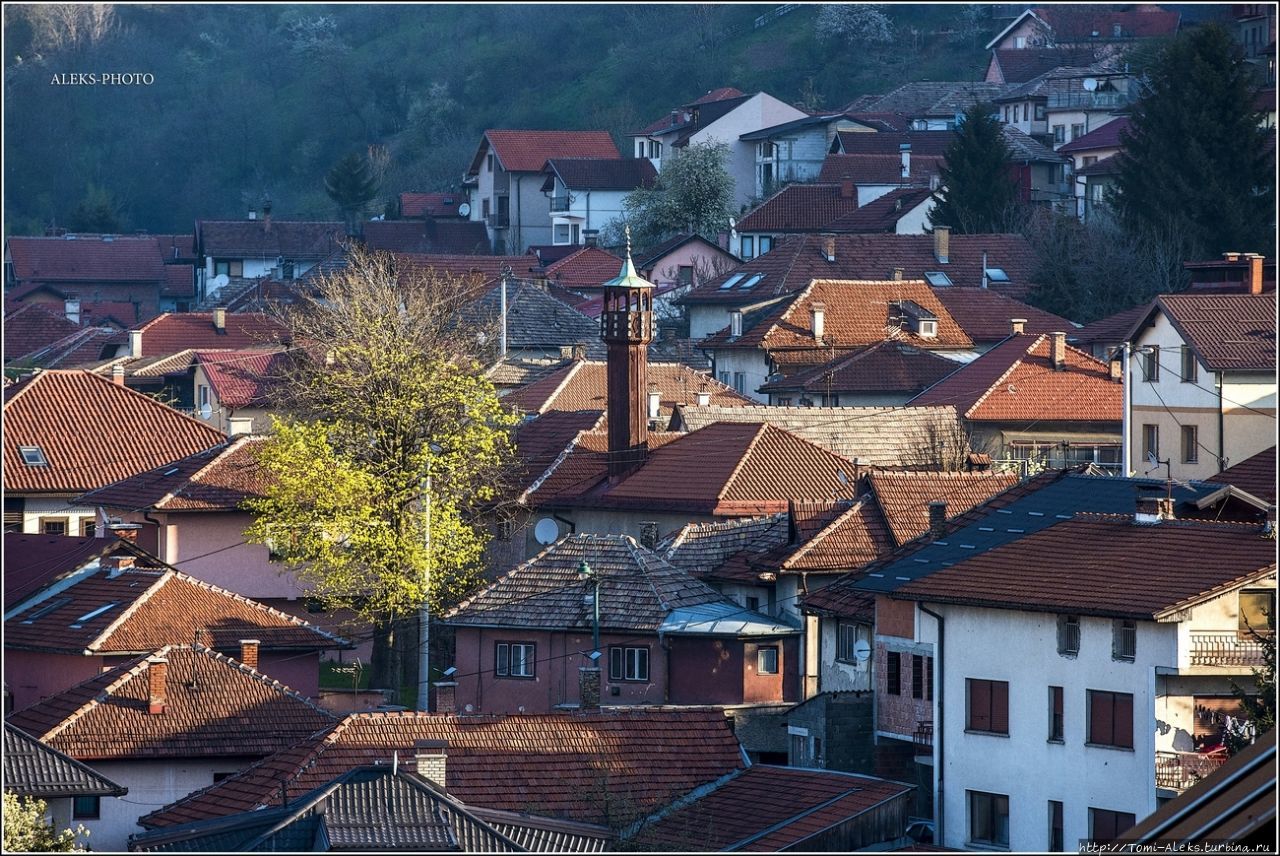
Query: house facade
<point>232,251</point>
<point>793,152</point>
<point>587,193</point>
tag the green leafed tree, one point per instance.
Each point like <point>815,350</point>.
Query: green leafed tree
<point>978,191</point>
<point>352,183</point>
<point>693,193</point>
<point>391,422</point>
<point>27,831</point>
<point>1195,159</point>
<point>1259,703</point>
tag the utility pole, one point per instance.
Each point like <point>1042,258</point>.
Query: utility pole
<point>584,571</point>
<point>424,611</point>
<point>502,312</point>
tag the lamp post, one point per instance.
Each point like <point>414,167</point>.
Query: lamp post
<point>584,571</point>
<point>424,612</point>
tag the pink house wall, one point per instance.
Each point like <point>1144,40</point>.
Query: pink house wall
<point>34,675</point>
<point>666,270</point>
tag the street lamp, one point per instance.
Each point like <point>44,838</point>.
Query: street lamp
<point>585,572</point>
<point>424,612</point>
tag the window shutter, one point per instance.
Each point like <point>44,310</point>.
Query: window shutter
<point>1124,720</point>
<point>979,705</point>
<point>1000,707</point>
<point>1100,727</point>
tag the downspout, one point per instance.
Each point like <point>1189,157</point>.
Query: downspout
<point>1126,418</point>
<point>162,538</point>
<point>1222,449</point>
<point>939,732</point>
<point>588,223</point>
<point>519,220</point>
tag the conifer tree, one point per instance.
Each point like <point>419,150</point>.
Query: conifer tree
<point>1195,158</point>
<point>352,185</point>
<point>977,188</point>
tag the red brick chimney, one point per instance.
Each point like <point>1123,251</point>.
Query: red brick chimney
<point>157,685</point>
<point>1018,326</point>
<point>126,531</point>
<point>1255,273</point>
<point>113,565</point>
<point>446,696</point>
<point>117,374</point>
<point>220,318</point>
<point>249,652</point>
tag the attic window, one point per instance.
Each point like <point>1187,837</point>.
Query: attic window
<point>937,278</point>
<point>997,275</point>
<point>751,283</point>
<point>928,329</point>
<point>33,456</point>
<point>51,606</point>
<point>89,616</point>
<point>732,281</point>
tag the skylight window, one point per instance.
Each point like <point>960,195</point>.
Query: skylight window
<point>41,612</point>
<point>937,278</point>
<point>732,281</point>
<point>33,456</point>
<point>89,616</point>
<point>751,283</point>
<point>997,275</point>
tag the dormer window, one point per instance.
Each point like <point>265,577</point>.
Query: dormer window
<point>928,329</point>
<point>33,456</point>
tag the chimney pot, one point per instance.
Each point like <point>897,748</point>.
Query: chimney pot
<point>117,374</point>
<point>220,318</point>
<point>249,652</point>
<point>432,757</point>
<point>1148,510</point>
<point>135,343</point>
<point>937,517</point>
<point>1058,350</point>
<point>446,696</point>
<point>157,685</point>
<point>818,317</point>
<point>1018,326</point>
<point>588,688</point>
<point>942,244</point>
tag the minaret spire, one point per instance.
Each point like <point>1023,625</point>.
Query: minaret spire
<point>626,326</point>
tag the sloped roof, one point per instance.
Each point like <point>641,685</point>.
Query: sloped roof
<point>703,548</point>
<point>795,261</point>
<point>814,120</point>
<point>936,99</point>
<point>32,769</point>
<point>884,367</point>
<point>177,331</point>
<point>589,267</point>
<point>882,213</point>
<point>458,237</point>
<point>33,561</point>
<point>877,169</point>
<point>799,208</point>
<point>1061,568</point>
<point>1107,166</point>
<point>215,707</point>
<point>1079,23</point>
<point>270,238</point>
<point>555,765</point>
<point>1103,137</point>
<point>1112,330</point>
<point>1229,332</point>
<point>985,314</point>
<point>927,143</point>
<point>80,349</point>
<point>178,249</point>
<point>219,478</point>
<point>608,173</point>
<point>1255,475</point>
<point>1016,380</point>
<point>529,151</point>
<point>32,327</point>
<point>1022,65</point>
<point>766,809</point>
<point>241,378</point>
<point>86,259</point>
<point>650,256</point>
<point>539,442</point>
<point>131,433</point>
<point>1026,149</point>
<point>880,436</point>
<point>148,606</point>
<point>904,497</point>
<point>535,319</point>
<point>485,269</point>
<point>430,204</point>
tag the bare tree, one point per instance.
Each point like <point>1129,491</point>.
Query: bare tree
<point>58,26</point>
<point>941,444</point>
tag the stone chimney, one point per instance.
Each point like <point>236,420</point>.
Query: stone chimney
<point>1018,326</point>
<point>249,652</point>
<point>71,307</point>
<point>649,534</point>
<point>589,687</point>
<point>904,151</point>
<point>937,517</point>
<point>1058,351</point>
<point>818,320</point>
<point>829,248</point>
<point>117,374</point>
<point>135,343</point>
<point>446,696</point>
<point>432,757</point>
<point>157,685</point>
<point>846,189</point>
<point>942,244</point>
<point>220,319</point>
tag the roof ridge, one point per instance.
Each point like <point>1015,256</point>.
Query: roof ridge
<point>173,494</point>
<point>826,531</point>
<point>796,299</point>
<point>633,548</point>
<point>128,673</point>
<point>260,677</point>
<point>233,444</point>
<point>248,600</point>
<point>560,459</point>
<point>128,611</point>
<point>761,427</point>
<point>572,371</point>
<point>1008,371</point>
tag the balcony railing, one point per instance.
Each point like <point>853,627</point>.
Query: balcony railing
<point>499,221</point>
<point>923,738</point>
<point>1224,648</point>
<point>559,203</point>
<point>1180,770</point>
<point>1087,100</point>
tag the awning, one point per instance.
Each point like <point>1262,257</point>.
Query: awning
<point>1056,438</point>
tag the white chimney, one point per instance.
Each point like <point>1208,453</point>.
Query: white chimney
<point>240,425</point>
<point>1018,326</point>
<point>704,398</point>
<point>72,309</point>
<point>432,757</point>
<point>905,151</point>
<point>135,343</point>
<point>253,215</point>
<point>117,374</point>
<point>818,317</point>
<point>1058,348</point>
<point>220,318</point>
<point>655,399</point>
<point>735,323</point>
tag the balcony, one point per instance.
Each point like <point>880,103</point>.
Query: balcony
<point>922,738</point>
<point>1178,771</point>
<point>500,220</point>
<point>1224,648</point>
<point>559,204</point>
<point>1087,100</point>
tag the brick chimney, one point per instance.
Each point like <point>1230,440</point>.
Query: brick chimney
<point>249,652</point>
<point>1018,326</point>
<point>126,531</point>
<point>114,565</point>
<point>1255,273</point>
<point>446,696</point>
<point>117,374</point>
<point>1115,368</point>
<point>937,517</point>
<point>942,244</point>
<point>818,320</point>
<point>220,319</point>
<point>1058,351</point>
<point>1148,511</point>
<point>157,685</point>
<point>829,248</point>
<point>649,534</point>
<point>589,687</point>
<point>846,189</point>
<point>432,760</point>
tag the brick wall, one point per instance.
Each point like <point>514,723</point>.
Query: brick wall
<point>898,714</point>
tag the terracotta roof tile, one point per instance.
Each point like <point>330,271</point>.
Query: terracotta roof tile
<point>1103,137</point>
<point>878,169</point>
<point>1022,65</point>
<point>34,770</point>
<point>904,497</point>
<point>270,238</point>
<point>799,208</point>
<point>33,327</point>
<point>985,313</point>
<point>1080,23</point>
<point>216,707</point>
<point>529,151</point>
<point>177,331</point>
<point>1109,165</point>
<point>1016,381</point>
<point>571,766</point>
<point>1086,565</point>
<point>1255,475</point>
<point>131,433</point>
<point>884,367</point>
<point>1229,332</point>
<point>178,249</point>
<point>457,237</point>
<point>610,173</point>
<point>703,549</point>
<point>539,442</point>
<point>217,479</point>
<point>486,269</point>
<point>86,259</point>
<point>589,267</point>
<point>241,378</point>
<point>430,204</point>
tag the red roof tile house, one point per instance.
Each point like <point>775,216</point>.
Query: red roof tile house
<point>36,335</point>
<point>236,250</point>
<point>415,206</point>
<point>664,637</point>
<point>507,176</point>
<point>167,723</point>
<point>236,385</point>
<point>1035,401</point>
<point>92,269</point>
<point>68,432</point>
<point>1067,27</point>
<point>91,608</point>
<point>451,236</point>
<point>886,374</point>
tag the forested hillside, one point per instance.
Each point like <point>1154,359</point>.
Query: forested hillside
<point>261,100</point>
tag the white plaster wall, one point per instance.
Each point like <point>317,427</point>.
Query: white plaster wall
<point>58,507</point>
<point>751,362</point>
<point>761,111</point>
<point>915,221</point>
<point>1024,765</point>
<point>706,319</point>
<point>594,208</point>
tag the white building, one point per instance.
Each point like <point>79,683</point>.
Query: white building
<point>586,193</point>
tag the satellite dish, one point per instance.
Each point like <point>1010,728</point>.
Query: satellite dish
<point>464,210</point>
<point>546,531</point>
<point>862,650</point>
<point>206,410</point>
<point>1089,84</point>
<point>219,281</point>
<point>733,223</point>
<point>1153,460</point>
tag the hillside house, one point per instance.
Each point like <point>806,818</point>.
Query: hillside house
<point>236,250</point>
<point>793,151</point>
<point>1105,30</point>
<point>1094,164</point>
<point>93,275</point>
<point>587,193</point>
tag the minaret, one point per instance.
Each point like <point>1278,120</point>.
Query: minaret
<point>626,326</point>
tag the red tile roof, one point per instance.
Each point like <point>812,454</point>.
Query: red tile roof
<point>1086,565</point>
<point>241,378</point>
<point>985,313</point>
<point>610,173</point>
<point>884,367</point>
<point>589,267</point>
<point>766,809</point>
<point>1229,332</point>
<point>539,442</point>
<point>1016,381</point>
<point>92,432</point>
<point>149,606</point>
<point>86,259</point>
<point>486,269</point>
<point>270,239</point>
<point>179,281</point>
<point>430,204</point>
<point>177,249</point>
<point>460,237</point>
<point>904,497</point>
<point>178,331</point>
<point>594,767</point>
<point>1079,23</point>
<point>799,208</point>
<point>878,169</point>
<point>795,261</point>
<point>883,213</point>
<point>33,327</point>
<point>1255,475</point>
<point>1103,137</point>
<point>529,151</point>
<point>216,707</point>
<point>724,93</point>
<point>32,561</point>
<point>217,479</point>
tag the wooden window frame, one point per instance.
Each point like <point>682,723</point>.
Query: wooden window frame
<point>1114,706</point>
<point>63,519</point>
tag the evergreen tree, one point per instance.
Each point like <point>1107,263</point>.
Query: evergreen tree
<point>352,184</point>
<point>96,212</point>
<point>1195,159</point>
<point>978,190</point>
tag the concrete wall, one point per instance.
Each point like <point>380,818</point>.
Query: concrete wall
<point>590,209</point>
<point>666,270</point>
<point>706,319</point>
<point>844,722</point>
<point>839,675</point>
<point>752,363</point>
